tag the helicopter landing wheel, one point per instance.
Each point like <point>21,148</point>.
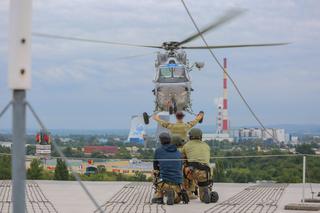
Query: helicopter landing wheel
<point>175,109</point>
<point>171,110</point>
<point>146,118</point>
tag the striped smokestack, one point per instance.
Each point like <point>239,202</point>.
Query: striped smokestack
<point>225,119</point>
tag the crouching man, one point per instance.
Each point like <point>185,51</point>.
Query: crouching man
<point>197,166</point>
<point>168,171</point>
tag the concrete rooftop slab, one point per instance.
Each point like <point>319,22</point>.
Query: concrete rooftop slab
<point>67,196</point>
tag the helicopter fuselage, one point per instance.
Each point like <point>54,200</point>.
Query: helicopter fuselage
<point>172,82</point>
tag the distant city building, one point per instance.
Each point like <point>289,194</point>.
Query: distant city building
<point>218,137</point>
<point>278,135</point>
<point>65,140</point>
<point>134,150</point>
<point>288,138</point>
<point>107,150</point>
<point>75,165</point>
<point>6,144</point>
<point>294,140</point>
<point>102,140</point>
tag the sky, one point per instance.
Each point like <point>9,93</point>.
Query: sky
<point>90,86</point>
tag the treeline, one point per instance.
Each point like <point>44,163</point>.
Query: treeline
<point>5,163</point>
<point>36,171</point>
<point>284,169</point>
<point>279,169</point>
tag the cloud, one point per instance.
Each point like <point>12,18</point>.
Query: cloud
<point>83,85</point>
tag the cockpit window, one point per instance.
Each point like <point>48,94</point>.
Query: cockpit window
<point>165,72</point>
<point>179,72</point>
<point>172,74</point>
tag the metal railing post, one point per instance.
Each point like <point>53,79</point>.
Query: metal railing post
<point>303,178</point>
<point>18,151</point>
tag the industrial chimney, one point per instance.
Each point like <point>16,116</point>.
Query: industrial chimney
<point>225,119</point>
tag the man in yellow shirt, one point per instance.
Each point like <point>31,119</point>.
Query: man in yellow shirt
<point>197,166</point>
<point>179,128</point>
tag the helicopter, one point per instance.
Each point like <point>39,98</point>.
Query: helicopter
<point>172,82</point>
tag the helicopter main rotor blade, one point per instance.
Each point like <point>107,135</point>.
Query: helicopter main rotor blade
<point>228,16</point>
<point>234,46</point>
<point>133,56</point>
<point>91,40</point>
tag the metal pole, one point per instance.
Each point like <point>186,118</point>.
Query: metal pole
<point>18,151</point>
<point>303,177</point>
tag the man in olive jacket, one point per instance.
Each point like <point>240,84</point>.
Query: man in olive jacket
<point>197,167</point>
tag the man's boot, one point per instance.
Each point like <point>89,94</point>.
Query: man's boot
<point>205,194</point>
<point>170,197</point>
<point>157,200</point>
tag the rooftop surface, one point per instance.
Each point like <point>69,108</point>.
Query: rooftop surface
<point>67,196</point>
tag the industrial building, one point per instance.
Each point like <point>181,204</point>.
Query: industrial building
<point>106,150</point>
<point>217,137</point>
<point>7,144</point>
<point>277,135</point>
<point>222,105</point>
<point>137,131</point>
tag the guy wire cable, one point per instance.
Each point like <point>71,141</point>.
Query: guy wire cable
<point>228,75</point>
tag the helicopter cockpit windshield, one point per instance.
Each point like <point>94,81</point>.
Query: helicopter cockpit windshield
<point>172,74</point>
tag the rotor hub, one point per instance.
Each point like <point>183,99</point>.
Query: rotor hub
<point>171,45</point>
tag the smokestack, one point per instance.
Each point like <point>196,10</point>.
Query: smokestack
<point>225,119</point>
<point>219,102</point>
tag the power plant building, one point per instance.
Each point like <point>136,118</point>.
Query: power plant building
<point>278,135</point>
<point>217,137</point>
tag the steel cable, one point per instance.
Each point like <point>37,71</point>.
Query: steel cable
<point>76,176</point>
<point>228,75</point>
<point>5,109</point>
<point>152,159</point>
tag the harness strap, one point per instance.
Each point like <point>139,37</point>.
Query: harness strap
<point>202,167</point>
<point>199,166</point>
